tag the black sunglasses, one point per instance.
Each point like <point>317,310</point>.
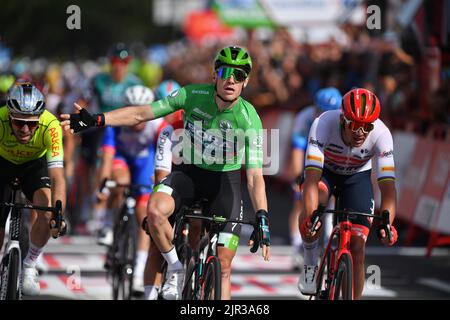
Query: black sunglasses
<point>20,123</point>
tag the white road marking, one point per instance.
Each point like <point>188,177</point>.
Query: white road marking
<point>435,284</point>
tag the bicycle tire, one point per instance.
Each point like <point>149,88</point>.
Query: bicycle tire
<point>124,269</point>
<point>344,275</point>
<point>212,284</point>
<point>13,281</point>
<point>190,281</point>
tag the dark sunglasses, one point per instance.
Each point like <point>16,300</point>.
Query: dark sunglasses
<point>355,126</point>
<point>20,123</point>
<point>226,72</point>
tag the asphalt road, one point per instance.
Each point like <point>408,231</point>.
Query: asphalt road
<point>75,271</point>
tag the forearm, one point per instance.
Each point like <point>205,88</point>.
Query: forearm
<point>58,187</point>
<point>105,168</point>
<point>388,198</point>
<point>257,191</point>
<point>310,196</point>
<point>129,116</point>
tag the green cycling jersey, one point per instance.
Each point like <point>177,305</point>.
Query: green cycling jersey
<point>212,139</point>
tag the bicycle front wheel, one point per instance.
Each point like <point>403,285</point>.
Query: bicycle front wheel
<point>124,269</point>
<point>12,280</point>
<point>212,285</point>
<point>344,279</point>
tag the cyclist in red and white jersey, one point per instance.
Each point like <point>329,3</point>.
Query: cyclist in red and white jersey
<point>341,145</point>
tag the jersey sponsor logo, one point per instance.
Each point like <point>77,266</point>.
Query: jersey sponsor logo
<point>225,125</point>
<point>165,134</point>
<point>208,137</point>
<point>174,94</point>
<point>387,154</point>
<point>203,113</point>
<point>20,153</point>
<point>342,169</point>
<point>200,92</point>
<point>315,142</point>
<point>55,142</point>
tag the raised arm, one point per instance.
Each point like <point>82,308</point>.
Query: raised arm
<point>127,116</point>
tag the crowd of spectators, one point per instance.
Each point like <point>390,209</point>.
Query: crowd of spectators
<point>287,73</point>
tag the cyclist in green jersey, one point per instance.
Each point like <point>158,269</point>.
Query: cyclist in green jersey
<point>221,129</point>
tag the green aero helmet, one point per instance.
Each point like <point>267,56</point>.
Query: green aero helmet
<point>233,56</point>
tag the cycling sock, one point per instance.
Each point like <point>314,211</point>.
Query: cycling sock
<point>172,260</point>
<point>151,292</point>
<point>311,252</point>
<point>141,259</point>
<point>32,256</point>
<point>296,239</point>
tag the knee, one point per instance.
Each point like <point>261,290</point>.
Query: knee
<point>154,214</point>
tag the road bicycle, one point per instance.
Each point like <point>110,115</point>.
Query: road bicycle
<point>335,273</point>
<point>203,280</point>
<point>181,239</point>
<point>121,254</point>
<point>11,264</point>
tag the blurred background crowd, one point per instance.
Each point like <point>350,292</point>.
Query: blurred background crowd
<point>406,61</point>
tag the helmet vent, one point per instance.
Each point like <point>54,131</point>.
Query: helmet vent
<point>352,102</point>
<point>363,104</point>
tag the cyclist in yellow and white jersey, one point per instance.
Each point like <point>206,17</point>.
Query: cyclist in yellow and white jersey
<point>31,149</point>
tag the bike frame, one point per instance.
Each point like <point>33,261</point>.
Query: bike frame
<point>343,233</point>
<point>207,246</point>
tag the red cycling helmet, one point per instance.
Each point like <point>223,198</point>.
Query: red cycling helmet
<point>361,105</point>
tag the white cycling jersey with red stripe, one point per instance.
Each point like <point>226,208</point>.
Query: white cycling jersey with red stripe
<point>327,149</point>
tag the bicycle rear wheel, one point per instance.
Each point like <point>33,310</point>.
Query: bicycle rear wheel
<point>212,284</point>
<point>189,289</point>
<point>344,279</point>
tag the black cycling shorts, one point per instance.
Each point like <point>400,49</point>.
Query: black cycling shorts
<point>33,175</point>
<point>355,193</point>
<point>189,183</point>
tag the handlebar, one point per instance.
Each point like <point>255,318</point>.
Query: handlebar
<point>55,222</point>
<point>221,220</point>
<point>384,217</point>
